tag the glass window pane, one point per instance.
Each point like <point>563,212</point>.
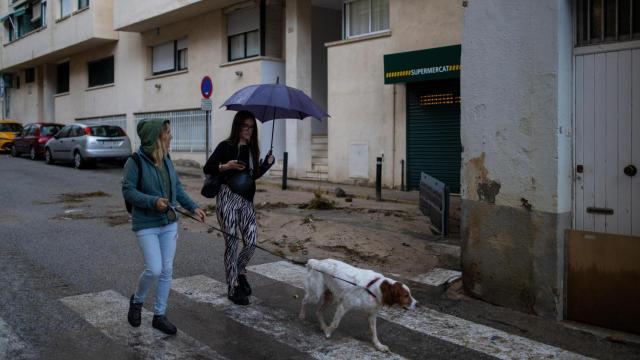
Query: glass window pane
<point>636,17</point>
<point>65,7</point>
<point>253,43</point>
<point>596,19</point>
<point>610,19</point>
<point>624,24</point>
<point>183,59</point>
<point>236,47</point>
<point>379,15</point>
<point>358,17</point>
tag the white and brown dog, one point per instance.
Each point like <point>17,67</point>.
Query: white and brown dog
<point>352,288</point>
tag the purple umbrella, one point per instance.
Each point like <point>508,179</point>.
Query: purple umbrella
<point>274,101</point>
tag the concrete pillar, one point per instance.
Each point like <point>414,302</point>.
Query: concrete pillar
<point>47,100</point>
<point>298,75</point>
<point>516,167</point>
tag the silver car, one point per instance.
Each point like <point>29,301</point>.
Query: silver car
<point>83,144</point>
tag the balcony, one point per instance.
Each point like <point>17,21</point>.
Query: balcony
<point>60,37</point>
<point>139,16</point>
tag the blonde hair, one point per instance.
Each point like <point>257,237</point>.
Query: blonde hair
<point>159,152</point>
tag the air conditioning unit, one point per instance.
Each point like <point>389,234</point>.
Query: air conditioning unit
<point>36,12</point>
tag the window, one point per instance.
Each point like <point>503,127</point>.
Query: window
<point>101,72</point>
<point>65,8</point>
<point>49,130</point>
<point>17,82</point>
<point>62,78</point>
<point>29,75</point>
<point>64,132</point>
<point>76,131</point>
<point>363,17</point>
<point>605,21</point>
<point>243,32</point>
<point>83,4</point>
<point>107,131</point>
<point>170,56</point>
<point>24,19</point>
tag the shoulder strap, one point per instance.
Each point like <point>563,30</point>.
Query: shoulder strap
<point>136,158</point>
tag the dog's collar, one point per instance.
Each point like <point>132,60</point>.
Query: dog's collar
<point>369,285</point>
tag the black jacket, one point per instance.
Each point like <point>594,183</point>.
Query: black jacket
<point>226,151</point>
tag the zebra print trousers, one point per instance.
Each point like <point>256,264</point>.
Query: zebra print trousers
<point>236,213</point>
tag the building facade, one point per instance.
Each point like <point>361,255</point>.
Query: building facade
<point>550,126</point>
<point>118,61</point>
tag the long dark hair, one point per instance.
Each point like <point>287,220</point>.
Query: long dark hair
<point>234,137</point>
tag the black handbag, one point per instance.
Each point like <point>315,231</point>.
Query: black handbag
<point>211,185</point>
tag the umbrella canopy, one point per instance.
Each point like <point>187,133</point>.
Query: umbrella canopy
<point>274,101</point>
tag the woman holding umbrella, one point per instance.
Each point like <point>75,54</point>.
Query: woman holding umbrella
<point>237,159</point>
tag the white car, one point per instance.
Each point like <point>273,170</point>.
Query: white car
<point>83,144</point>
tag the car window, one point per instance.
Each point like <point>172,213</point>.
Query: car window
<point>10,127</point>
<point>26,130</point>
<point>32,130</point>
<point>64,132</point>
<point>49,130</point>
<point>107,131</point>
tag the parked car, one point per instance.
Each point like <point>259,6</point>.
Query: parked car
<point>32,139</point>
<point>83,144</point>
<point>8,131</point>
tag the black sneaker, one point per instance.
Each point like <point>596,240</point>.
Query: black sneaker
<point>134,316</point>
<point>244,284</point>
<point>163,324</point>
<point>238,297</point>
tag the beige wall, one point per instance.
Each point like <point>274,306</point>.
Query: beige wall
<point>61,37</point>
<point>361,105</point>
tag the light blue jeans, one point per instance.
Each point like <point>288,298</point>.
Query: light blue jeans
<point>158,247</point>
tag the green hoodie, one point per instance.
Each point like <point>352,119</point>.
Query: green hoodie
<point>149,131</point>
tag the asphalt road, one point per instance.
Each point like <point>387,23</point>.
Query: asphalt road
<point>66,265</point>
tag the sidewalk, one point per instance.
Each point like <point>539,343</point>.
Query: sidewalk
<point>363,192</point>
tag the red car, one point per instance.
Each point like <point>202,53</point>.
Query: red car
<point>32,139</point>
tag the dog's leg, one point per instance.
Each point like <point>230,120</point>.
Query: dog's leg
<point>374,333</point>
<point>325,299</point>
<point>340,311</point>
<point>305,300</point>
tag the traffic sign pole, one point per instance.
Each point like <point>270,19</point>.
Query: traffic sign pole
<point>206,89</point>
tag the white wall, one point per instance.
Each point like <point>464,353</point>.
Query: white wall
<point>517,134</point>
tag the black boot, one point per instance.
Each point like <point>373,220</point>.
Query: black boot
<point>244,284</point>
<point>238,297</point>
<point>163,324</point>
<point>134,316</point>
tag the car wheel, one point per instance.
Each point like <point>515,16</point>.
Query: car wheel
<point>32,153</point>
<point>14,151</point>
<point>78,161</point>
<point>48,157</point>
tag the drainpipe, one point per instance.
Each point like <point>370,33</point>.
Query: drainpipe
<point>393,141</point>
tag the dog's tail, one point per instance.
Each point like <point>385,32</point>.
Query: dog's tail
<point>312,264</point>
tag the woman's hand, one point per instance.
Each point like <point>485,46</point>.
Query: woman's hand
<point>162,204</point>
<point>232,165</point>
<point>200,214</point>
<point>270,158</point>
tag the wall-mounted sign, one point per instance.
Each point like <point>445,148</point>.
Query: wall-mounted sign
<point>422,65</point>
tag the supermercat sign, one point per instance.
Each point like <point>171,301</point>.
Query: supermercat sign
<point>422,65</point>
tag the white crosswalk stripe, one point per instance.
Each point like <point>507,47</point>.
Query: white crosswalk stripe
<point>11,346</point>
<point>449,328</point>
<point>107,311</point>
<point>281,325</point>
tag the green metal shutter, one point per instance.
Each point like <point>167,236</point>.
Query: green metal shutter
<point>433,132</point>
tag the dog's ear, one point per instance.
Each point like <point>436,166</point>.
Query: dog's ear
<point>387,293</point>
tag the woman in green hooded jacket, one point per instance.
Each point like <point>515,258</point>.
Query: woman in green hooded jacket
<point>153,193</point>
